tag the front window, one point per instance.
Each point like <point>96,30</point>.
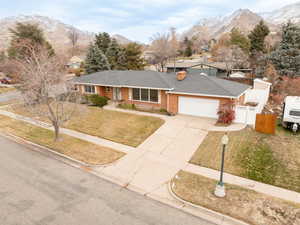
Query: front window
<point>89,89</point>
<point>154,95</point>
<point>136,94</point>
<point>145,95</point>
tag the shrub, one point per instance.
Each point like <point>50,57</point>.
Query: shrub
<point>97,100</point>
<point>226,113</point>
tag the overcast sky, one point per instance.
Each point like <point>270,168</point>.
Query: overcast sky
<point>136,19</point>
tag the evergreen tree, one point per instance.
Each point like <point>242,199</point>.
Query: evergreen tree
<point>188,47</point>
<point>103,41</point>
<point>257,37</point>
<point>240,40</point>
<point>121,60</point>
<point>116,56</point>
<point>30,34</point>
<point>286,58</point>
<point>96,60</point>
<point>134,59</point>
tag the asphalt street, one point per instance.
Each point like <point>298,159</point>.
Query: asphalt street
<point>36,189</point>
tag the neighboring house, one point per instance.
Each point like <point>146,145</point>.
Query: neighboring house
<point>75,62</point>
<point>182,93</point>
<point>211,68</point>
<point>237,75</point>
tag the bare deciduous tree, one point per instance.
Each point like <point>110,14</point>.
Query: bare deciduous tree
<point>73,35</point>
<point>43,87</point>
<point>161,48</point>
<point>225,55</point>
<point>233,57</point>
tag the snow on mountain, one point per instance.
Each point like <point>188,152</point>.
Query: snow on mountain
<point>55,31</point>
<point>243,19</point>
<point>284,14</point>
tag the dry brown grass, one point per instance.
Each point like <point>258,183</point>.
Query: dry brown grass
<point>10,102</point>
<point>6,89</point>
<point>244,204</point>
<point>276,160</point>
<point>124,128</point>
<point>70,146</point>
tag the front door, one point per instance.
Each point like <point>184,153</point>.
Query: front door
<point>117,94</point>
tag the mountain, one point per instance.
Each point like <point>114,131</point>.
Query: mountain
<point>56,32</point>
<point>284,14</point>
<point>121,39</point>
<point>243,19</point>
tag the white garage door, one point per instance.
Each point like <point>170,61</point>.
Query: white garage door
<point>198,107</point>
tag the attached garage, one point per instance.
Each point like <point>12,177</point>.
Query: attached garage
<point>194,106</point>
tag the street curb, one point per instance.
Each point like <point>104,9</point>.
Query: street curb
<point>208,214</point>
<point>63,156</point>
<point>204,213</point>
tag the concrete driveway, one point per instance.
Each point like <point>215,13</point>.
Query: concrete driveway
<point>156,161</point>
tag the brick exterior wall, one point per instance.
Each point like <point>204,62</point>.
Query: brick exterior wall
<point>241,99</point>
<point>167,101</point>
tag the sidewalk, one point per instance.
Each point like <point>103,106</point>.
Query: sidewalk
<point>148,168</point>
<point>243,182</point>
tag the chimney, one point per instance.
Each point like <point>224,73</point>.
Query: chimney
<point>181,75</point>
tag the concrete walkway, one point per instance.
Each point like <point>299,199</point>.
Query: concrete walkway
<point>157,160</point>
<point>148,168</point>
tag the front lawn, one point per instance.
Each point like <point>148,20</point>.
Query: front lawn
<point>271,159</point>
<point>70,146</point>
<point>241,203</point>
<point>124,128</point>
<point>120,127</point>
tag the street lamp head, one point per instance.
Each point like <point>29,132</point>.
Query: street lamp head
<point>225,139</point>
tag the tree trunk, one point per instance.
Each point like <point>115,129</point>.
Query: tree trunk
<point>56,132</point>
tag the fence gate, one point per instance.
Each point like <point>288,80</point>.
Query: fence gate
<point>265,123</point>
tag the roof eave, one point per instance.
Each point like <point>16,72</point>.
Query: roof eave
<point>127,86</point>
<point>205,95</point>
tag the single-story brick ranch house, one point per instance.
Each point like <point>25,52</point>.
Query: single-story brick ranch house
<point>181,93</point>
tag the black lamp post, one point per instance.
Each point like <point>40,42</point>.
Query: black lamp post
<point>220,188</point>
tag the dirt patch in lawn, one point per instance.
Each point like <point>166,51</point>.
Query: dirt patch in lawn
<point>70,146</point>
<point>120,127</point>
<point>243,204</point>
<point>271,159</point>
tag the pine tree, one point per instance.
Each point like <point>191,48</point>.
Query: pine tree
<point>257,37</point>
<point>29,34</point>
<point>134,57</point>
<point>188,47</point>
<point>239,39</point>
<point>96,60</point>
<point>103,41</point>
<point>286,58</point>
<point>121,60</point>
<point>114,54</point>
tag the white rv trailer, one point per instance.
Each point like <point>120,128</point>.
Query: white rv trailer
<point>291,113</point>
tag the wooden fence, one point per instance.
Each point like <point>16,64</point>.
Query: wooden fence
<point>265,123</point>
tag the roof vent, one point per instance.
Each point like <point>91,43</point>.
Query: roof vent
<point>181,75</point>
